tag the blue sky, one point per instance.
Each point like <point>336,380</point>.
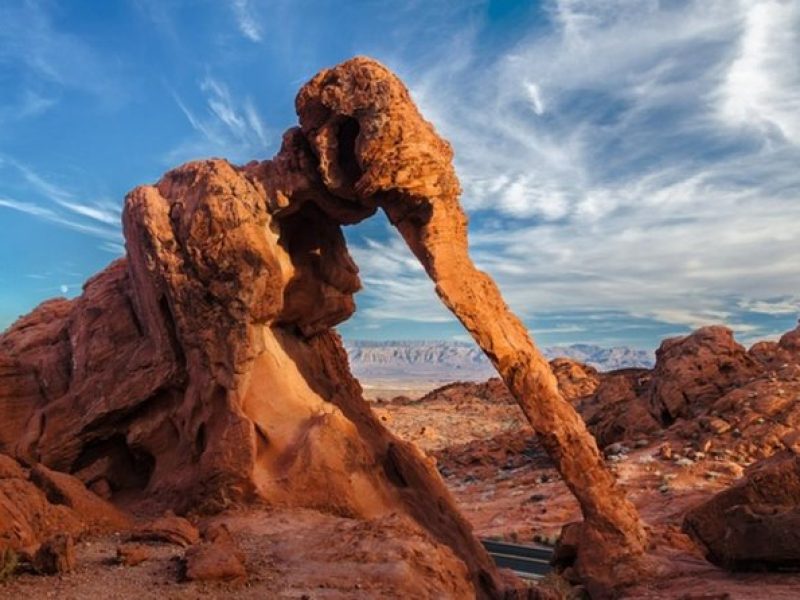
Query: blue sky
<point>631,168</point>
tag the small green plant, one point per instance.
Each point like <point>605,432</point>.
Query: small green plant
<point>8,563</point>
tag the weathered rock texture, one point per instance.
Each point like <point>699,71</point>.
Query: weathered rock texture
<point>690,371</point>
<point>734,418</point>
<point>756,523</point>
<point>38,505</point>
<point>201,370</point>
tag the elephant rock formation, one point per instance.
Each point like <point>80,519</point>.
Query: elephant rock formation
<point>201,370</point>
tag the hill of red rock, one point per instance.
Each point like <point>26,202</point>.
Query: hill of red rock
<point>706,442</point>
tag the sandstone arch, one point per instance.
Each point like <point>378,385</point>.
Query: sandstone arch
<point>205,363</point>
<point>399,164</point>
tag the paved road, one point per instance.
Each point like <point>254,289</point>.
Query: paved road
<point>526,561</point>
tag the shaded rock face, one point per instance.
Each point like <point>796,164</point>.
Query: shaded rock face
<point>707,387</point>
<point>202,370</point>
<point>37,505</point>
<point>617,410</point>
<point>756,523</point>
<point>692,370</point>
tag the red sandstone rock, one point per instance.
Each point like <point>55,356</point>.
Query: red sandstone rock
<point>169,529</point>
<point>756,523</point>
<point>668,471</point>
<point>375,150</point>
<point>201,370</point>
<point>575,380</point>
<point>616,411</point>
<point>36,506</point>
<point>218,557</point>
<point>132,554</point>
<point>66,490</point>
<point>692,371</point>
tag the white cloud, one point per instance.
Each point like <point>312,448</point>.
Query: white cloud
<point>785,306</point>
<point>396,279</point>
<point>762,85</point>
<point>600,175</point>
<point>57,205</point>
<point>27,208</point>
<point>535,97</point>
<point>246,21</point>
<point>227,127</point>
<point>52,216</point>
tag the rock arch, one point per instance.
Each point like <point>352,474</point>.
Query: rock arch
<point>209,350</point>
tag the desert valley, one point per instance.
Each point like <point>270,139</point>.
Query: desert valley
<point>189,425</point>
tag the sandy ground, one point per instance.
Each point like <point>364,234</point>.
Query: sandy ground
<point>290,554</point>
<point>386,389</point>
<point>508,489</point>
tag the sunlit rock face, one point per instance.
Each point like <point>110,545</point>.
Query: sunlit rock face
<point>202,369</point>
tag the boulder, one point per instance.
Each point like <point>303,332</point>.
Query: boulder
<point>575,379</point>
<point>38,504</point>
<point>218,557</point>
<point>693,371</point>
<point>131,555</point>
<point>756,523</point>
<point>168,529</point>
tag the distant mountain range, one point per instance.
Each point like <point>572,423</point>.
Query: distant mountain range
<point>450,361</point>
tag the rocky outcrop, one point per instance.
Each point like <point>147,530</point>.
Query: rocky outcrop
<point>705,387</point>
<point>575,380</point>
<point>693,370</point>
<point>617,410</point>
<point>38,505</point>
<point>756,523</point>
<point>202,370</point>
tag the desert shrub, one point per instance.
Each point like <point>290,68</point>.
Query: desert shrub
<point>8,563</point>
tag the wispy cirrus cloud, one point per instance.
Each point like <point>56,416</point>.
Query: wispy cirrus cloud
<point>246,20</point>
<point>633,157</point>
<point>760,88</point>
<point>53,203</point>
<point>53,58</point>
<point>226,125</point>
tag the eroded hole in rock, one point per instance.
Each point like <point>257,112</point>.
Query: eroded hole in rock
<point>200,440</point>
<point>391,467</point>
<point>346,156</point>
<point>123,467</point>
